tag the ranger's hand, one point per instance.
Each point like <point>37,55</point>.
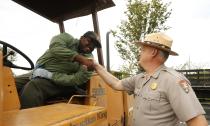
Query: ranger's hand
<point>88,62</point>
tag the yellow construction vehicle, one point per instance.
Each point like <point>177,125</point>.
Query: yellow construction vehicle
<point>103,106</point>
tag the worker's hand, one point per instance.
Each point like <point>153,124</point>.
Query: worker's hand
<point>39,72</point>
<point>84,67</point>
<point>90,68</point>
<point>85,61</point>
<point>88,62</point>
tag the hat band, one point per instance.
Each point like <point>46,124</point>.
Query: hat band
<point>157,44</point>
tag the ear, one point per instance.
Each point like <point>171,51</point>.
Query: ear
<point>154,52</point>
<point>82,37</point>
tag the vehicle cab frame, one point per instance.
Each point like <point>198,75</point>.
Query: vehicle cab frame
<point>103,106</point>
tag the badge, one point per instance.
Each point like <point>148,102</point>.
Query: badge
<point>153,86</point>
<point>184,85</point>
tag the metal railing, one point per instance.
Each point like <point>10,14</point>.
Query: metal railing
<point>198,77</point>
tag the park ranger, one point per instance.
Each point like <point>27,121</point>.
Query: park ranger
<point>163,96</point>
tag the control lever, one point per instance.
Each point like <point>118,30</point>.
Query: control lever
<point>10,53</point>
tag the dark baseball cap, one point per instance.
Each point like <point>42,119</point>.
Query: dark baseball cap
<point>94,38</point>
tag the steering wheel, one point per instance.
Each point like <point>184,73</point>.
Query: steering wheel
<point>8,63</point>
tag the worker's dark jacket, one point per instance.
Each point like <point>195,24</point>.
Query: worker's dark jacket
<point>58,59</point>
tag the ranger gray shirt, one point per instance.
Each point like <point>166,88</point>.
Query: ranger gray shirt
<point>163,99</point>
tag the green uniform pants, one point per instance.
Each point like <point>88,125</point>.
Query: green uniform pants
<point>35,92</point>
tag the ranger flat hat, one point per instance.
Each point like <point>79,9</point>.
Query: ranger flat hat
<point>158,40</point>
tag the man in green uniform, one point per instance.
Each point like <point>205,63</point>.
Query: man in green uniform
<point>163,97</point>
<point>63,69</point>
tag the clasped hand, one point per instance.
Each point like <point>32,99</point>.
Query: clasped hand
<point>89,63</point>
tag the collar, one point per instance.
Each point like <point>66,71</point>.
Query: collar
<point>157,71</point>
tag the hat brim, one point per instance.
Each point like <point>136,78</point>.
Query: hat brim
<point>158,47</point>
<point>97,43</point>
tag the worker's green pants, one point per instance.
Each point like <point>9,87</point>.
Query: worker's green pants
<point>36,91</point>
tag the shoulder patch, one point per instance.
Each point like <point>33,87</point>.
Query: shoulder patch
<point>185,85</point>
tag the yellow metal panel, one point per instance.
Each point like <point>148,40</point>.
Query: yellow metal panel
<point>1,88</point>
<point>115,110</point>
<point>88,119</point>
<point>128,108</point>
<point>98,89</point>
<point>57,115</point>
<point>105,96</point>
<point>11,99</point>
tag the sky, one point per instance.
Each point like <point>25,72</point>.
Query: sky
<point>189,22</point>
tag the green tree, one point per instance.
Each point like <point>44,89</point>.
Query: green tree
<point>143,17</point>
